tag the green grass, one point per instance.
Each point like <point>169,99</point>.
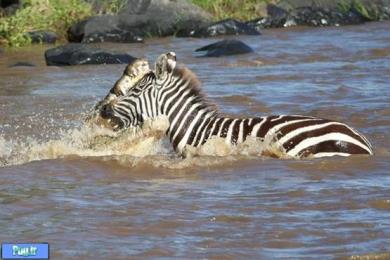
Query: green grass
<point>357,5</point>
<point>238,9</point>
<point>53,15</point>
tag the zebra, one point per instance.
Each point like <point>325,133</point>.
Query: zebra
<point>133,72</point>
<point>174,91</point>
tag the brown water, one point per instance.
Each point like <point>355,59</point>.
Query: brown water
<point>93,195</point>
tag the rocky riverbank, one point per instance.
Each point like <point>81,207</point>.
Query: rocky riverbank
<point>144,18</point>
<point>141,19</point>
<point>287,13</point>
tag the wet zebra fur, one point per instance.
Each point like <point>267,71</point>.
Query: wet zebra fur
<point>175,92</point>
<point>133,72</point>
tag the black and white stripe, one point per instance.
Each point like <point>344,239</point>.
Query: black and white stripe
<point>175,93</point>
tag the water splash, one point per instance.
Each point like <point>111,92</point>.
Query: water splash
<point>87,140</point>
<point>146,146</point>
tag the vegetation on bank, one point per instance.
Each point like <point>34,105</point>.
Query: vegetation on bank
<point>50,15</point>
<point>251,9</point>
<point>53,15</point>
<point>359,7</point>
<point>59,15</point>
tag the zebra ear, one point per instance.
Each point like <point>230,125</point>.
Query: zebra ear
<point>171,61</point>
<point>165,64</point>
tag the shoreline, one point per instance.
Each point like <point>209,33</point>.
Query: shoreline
<point>180,18</point>
<point>167,39</point>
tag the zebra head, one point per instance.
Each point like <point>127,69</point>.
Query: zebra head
<point>132,109</point>
<point>137,99</point>
<point>133,72</point>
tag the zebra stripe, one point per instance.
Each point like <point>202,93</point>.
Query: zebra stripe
<point>257,126</point>
<point>174,92</point>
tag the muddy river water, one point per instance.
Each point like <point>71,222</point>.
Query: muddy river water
<point>96,198</point>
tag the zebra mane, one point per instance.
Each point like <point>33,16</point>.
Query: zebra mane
<point>195,85</point>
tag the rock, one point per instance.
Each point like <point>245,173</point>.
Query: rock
<point>163,17</point>
<point>316,16</point>
<point>42,37</point>
<point>139,19</point>
<point>101,6</point>
<point>224,27</point>
<point>276,18</point>
<point>224,48</point>
<point>101,29</point>
<point>22,64</point>
<point>8,3</point>
<point>77,54</point>
<point>276,12</point>
<point>322,13</point>
<point>9,7</point>
<point>336,5</point>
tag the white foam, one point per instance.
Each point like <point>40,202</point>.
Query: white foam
<point>217,146</point>
<point>89,140</point>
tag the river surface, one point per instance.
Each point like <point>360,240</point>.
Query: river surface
<point>92,197</point>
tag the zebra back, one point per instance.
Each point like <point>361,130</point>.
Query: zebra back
<point>194,120</point>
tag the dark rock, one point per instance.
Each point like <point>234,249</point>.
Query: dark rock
<point>77,54</point>
<point>276,18</point>
<point>9,7</point>
<point>334,5</point>
<point>8,3</point>
<point>139,19</point>
<point>42,37</point>
<point>114,36</point>
<point>224,27</point>
<point>162,18</point>
<point>322,13</point>
<point>77,31</point>
<point>224,48</point>
<point>22,64</point>
<point>279,15</point>
<point>317,16</point>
